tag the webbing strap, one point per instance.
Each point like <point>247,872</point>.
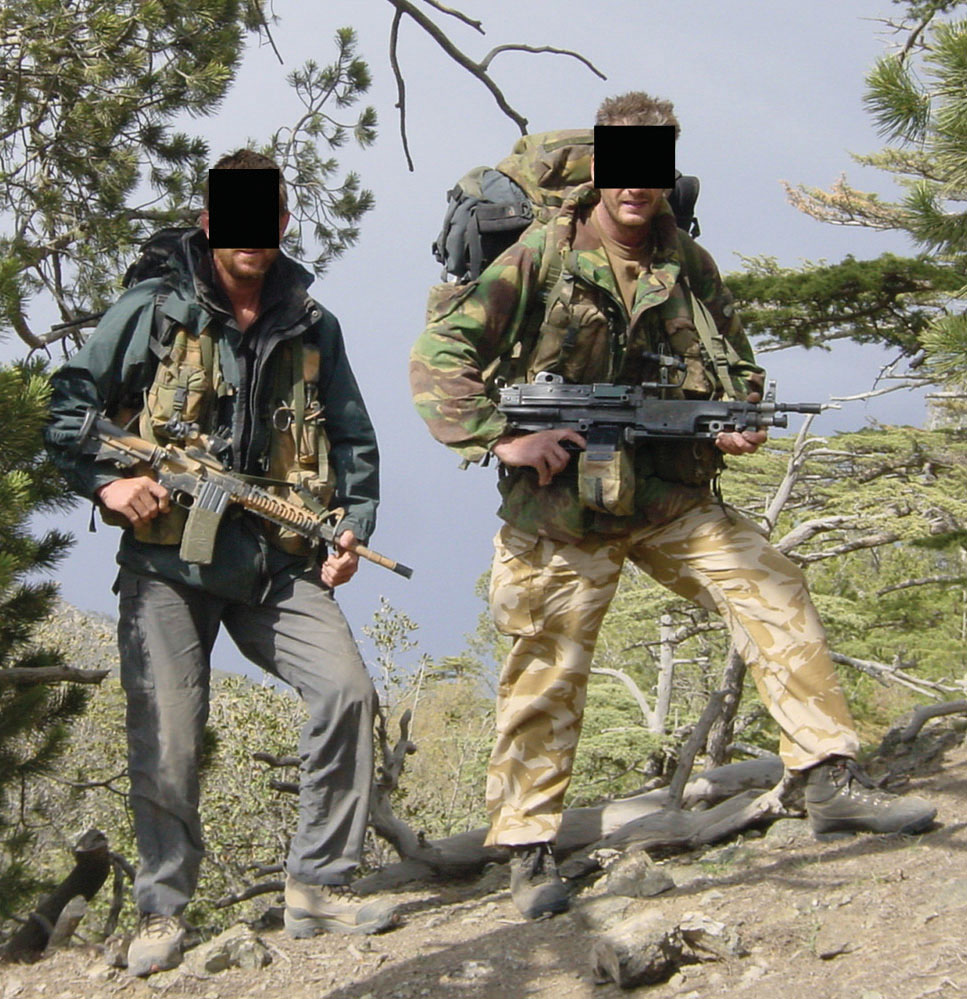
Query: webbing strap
<point>721,353</point>
<point>298,393</point>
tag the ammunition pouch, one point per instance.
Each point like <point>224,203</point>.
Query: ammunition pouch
<point>186,386</point>
<point>606,474</point>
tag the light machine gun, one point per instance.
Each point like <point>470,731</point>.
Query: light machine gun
<point>608,415</point>
<point>198,481</point>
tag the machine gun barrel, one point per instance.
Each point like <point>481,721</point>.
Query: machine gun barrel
<point>549,402</point>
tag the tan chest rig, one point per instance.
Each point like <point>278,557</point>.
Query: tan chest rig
<point>187,385</point>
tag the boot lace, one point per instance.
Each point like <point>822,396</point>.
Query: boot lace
<point>155,926</point>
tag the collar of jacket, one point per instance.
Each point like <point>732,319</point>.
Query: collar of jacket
<point>584,254</point>
<point>194,298</point>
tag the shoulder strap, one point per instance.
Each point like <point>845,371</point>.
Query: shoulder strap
<point>722,354</point>
<point>289,386</point>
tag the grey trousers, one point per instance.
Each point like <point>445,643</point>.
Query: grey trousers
<point>298,633</point>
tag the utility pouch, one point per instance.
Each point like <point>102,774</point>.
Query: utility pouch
<point>606,474</point>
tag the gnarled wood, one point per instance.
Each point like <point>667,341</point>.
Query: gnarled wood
<point>615,822</point>
<point>90,871</point>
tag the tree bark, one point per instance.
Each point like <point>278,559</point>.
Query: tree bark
<point>721,734</point>
<point>93,863</point>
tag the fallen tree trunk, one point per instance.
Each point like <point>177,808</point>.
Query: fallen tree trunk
<point>924,712</point>
<point>465,855</point>
<point>93,863</point>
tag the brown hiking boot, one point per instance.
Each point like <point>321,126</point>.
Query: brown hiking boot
<point>840,797</point>
<point>312,909</point>
<point>157,944</point>
<point>535,885</point>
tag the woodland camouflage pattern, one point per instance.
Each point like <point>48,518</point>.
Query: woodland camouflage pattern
<point>586,336</point>
<point>556,563</point>
<point>548,165</point>
<point>551,597</point>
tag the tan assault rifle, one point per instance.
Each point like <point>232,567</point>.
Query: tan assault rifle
<point>199,482</point>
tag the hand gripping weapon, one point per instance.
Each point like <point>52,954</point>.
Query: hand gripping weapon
<point>609,414</point>
<point>198,481</point>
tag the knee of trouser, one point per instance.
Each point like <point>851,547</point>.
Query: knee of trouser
<point>351,695</point>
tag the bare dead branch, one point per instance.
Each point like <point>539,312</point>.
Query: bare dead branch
<point>458,14</point>
<point>485,62</point>
<point>632,687</point>
<point>268,33</point>
<point>722,729</point>
<point>747,749</point>
<point>808,530</point>
<point>123,873</point>
<point>695,743</point>
<point>914,37</point>
<point>27,675</point>
<point>892,674</point>
<point>772,804</point>
<point>872,393</point>
<point>476,69</point>
<point>88,785</point>
<point>92,864</point>
<point>400,85</point>
<point>793,469</point>
<point>923,581</point>
<point>857,544</point>
<point>462,59</point>
<point>276,761</point>
<point>253,891</point>
<point>924,712</point>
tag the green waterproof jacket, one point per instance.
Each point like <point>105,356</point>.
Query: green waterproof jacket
<point>115,368</point>
<point>571,320</point>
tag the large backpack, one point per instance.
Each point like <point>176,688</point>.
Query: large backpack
<point>151,262</point>
<point>490,207</point>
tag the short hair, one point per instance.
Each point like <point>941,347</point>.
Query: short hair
<point>637,108</point>
<point>249,159</point>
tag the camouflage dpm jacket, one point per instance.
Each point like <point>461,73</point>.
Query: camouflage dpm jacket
<point>583,332</point>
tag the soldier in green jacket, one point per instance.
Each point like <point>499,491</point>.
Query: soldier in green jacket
<point>229,342</point>
<point>608,283</point>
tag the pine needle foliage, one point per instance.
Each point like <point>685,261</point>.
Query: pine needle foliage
<point>91,159</point>
<point>917,97</point>
<point>34,717</point>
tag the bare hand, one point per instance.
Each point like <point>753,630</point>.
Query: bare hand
<point>341,565</point>
<point>541,451</point>
<point>139,499</point>
<point>745,441</point>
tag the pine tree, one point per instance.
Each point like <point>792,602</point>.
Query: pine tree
<point>91,162</point>
<point>917,96</point>
<point>33,715</point>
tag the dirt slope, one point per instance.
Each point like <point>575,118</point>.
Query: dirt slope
<point>855,917</point>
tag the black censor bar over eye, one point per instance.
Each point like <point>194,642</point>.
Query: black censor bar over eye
<point>634,156</point>
<point>243,209</point>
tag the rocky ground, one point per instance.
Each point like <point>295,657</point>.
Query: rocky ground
<point>771,915</point>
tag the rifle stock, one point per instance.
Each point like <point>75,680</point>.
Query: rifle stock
<point>199,482</point>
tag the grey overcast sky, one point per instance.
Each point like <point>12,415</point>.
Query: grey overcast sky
<point>766,91</point>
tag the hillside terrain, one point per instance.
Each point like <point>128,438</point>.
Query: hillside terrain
<point>861,916</point>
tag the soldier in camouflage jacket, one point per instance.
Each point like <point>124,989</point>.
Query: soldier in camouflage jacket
<point>608,282</point>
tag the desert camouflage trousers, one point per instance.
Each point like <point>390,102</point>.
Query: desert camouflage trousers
<point>551,597</point>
